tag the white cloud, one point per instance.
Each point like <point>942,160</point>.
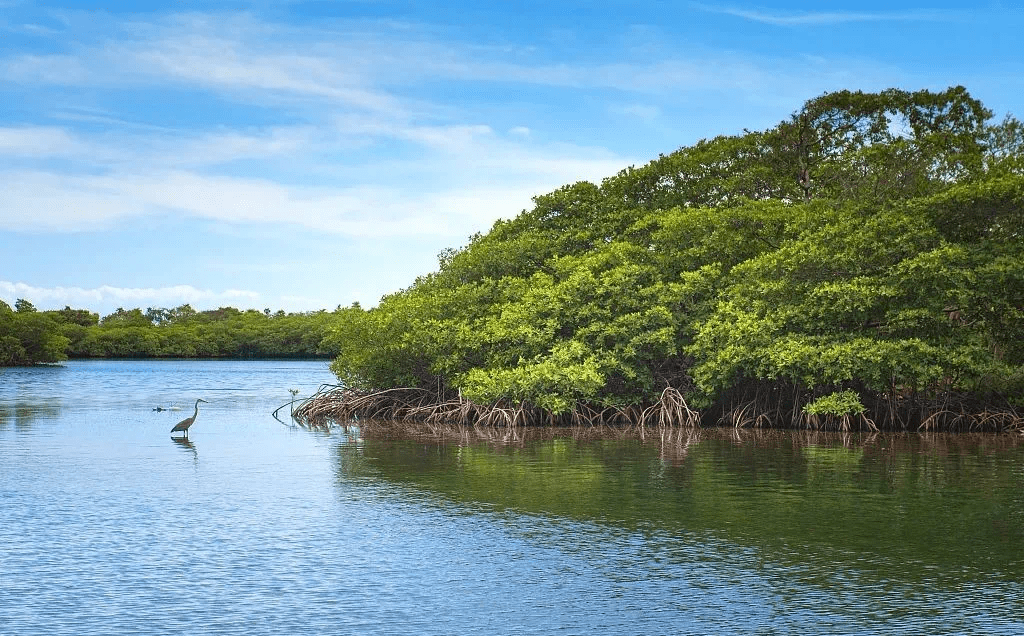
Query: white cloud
<point>197,53</point>
<point>45,201</point>
<point>439,174</point>
<point>363,68</point>
<point>54,202</point>
<point>38,141</point>
<point>108,296</point>
<point>50,69</point>
<point>644,112</point>
<point>824,18</point>
<point>461,179</point>
<point>159,148</point>
<point>458,138</point>
<point>227,146</point>
<point>229,66</point>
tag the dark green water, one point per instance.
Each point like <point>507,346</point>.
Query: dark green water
<point>254,527</point>
<point>945,509</point>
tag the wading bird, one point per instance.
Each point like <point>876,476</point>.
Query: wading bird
<point>185,423</point>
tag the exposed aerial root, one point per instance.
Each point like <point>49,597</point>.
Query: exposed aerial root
<point>341,404</point>
<point>434,411</point>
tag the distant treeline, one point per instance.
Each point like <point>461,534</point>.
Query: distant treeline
<point>28,336</point>
<point>860,264</point>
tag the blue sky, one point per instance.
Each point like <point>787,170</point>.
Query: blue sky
<point>301,155</point>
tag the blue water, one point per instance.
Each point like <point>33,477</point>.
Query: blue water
<point>255,526</point>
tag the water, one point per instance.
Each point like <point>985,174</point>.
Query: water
<point>255,527</point>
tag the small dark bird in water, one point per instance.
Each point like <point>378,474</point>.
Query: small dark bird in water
<point>185,423</point>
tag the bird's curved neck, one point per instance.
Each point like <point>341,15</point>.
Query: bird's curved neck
<point>197,409</point>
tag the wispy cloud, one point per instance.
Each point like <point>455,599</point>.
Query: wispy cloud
<point>328,93</point>
<point>111,296</point>
<point>443,174</point>
<point>227,54</point>
<point>366,69</point>
<point>48,69</point>
<point>27,28</point>
<point>38,141</point>
<point>460,179</point>
<point>227,65</point>
<point>40,201</point>
<point>646,112</point>
<point>824,18</point>
<point>154,147</point>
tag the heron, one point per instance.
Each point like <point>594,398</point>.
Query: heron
<point>189,421</point>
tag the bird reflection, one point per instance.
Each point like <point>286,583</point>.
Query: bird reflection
<point>187,446</point>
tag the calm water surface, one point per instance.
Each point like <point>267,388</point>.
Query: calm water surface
<point>255,527</point>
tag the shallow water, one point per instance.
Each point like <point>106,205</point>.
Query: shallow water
<point>256,527</point>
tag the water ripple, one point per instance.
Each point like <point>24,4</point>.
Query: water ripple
<point>254,528</point>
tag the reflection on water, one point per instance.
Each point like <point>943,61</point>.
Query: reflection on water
<point>941,507</point>
<point>860,534</point>
<point>187,446</point>
<point>22,415</point>
<point>283,530</point>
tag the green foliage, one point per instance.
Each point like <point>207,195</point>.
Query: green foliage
<point>883,146</point>
<point>29,337</point>
<point>869,246</point>
<point>1005,147</point>
<point>126,318</point>
<point>554,382</point>
<point>840,403</point>
<point>881,300</point>
<point>69,316</point>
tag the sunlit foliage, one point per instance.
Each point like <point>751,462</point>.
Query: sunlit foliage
<point>29,337</point>
<point>863,257</point>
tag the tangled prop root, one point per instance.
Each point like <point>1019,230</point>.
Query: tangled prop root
<point>341,404</point>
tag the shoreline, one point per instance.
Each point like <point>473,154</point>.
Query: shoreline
<point>424,410</point>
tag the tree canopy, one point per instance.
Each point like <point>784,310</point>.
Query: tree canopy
<point>29,336</point>
<point>862,261</point>
<point>184,332</point>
